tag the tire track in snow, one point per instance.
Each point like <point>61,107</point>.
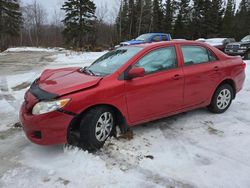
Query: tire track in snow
<point>6,93</point>
<point>181,145</point>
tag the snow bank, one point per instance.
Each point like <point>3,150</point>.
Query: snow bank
<point>33,49</point>
<point>76,58</point>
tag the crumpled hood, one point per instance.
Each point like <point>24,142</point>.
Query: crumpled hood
<point>66,80</point>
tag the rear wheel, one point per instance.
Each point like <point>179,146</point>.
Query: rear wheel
<point>96,126</point>
<point>222,99</point>
<point>247,55</point>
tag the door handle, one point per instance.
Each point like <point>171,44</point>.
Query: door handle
<point>216,68</point>
<point>177,77</point>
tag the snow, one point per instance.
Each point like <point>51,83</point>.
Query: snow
<point>33,49</point>
<point>193,149</point>
<point>76,58</point>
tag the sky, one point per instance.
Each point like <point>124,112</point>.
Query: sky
<point>107,8</point>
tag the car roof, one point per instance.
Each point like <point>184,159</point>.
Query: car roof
<point>157,33</point>
<point>155,44</point>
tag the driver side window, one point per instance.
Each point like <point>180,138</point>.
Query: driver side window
<point>158,60</point>
<point>156,38</point>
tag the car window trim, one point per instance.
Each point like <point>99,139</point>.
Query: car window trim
<point>209,50</point>
<point>123,75</point>
<point>159,48</point>
<point>195,45</point>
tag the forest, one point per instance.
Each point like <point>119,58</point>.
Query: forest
<point>78,24</point>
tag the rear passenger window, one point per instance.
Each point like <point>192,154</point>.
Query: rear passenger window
<point>196,55</point>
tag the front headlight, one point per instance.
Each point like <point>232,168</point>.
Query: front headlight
<point>243,47</point>
<point>49,106</point>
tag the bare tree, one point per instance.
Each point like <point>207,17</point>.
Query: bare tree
<point>34,18</point>
<point>101,12</point>
<point>58,15</point>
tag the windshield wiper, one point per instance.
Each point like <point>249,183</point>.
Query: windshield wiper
<point>86,70</point>
<point>91,72</point>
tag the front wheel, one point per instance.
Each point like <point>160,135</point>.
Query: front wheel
<point>222,99</point>
<point>96,126</point>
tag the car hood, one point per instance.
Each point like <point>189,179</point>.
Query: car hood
<point>66,80</point>
<point>133,42</point>
<point>215,43</point>
<point>239,43</point>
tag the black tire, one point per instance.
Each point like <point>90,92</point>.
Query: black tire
<point>218,107</point>
<point>90,123</point>
<point>247,55</point>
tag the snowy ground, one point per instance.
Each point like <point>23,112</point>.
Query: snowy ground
<point>33,49</point>
<point>194,149</point>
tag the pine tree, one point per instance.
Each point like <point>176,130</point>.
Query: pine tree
<point>157,24</point>
<point>215,18</point>
<point>197,19</point>
<point>248,16</point>
<point>168,17</point>
<point>132,19</point>
<point>228,20</point>
<point>122,21</point>
<point>206,19</point>
<point>79,21</point>
<point>10,21</point>
<point>207,22</point>
<point>181,27</point>
<point>242,19</point>
<point>144,16</point>
<point>147,17</point>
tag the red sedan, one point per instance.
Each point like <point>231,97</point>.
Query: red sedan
<point>126,87</point>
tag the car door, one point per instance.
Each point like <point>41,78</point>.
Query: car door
<point>202,72</point>
<point>161,89</point>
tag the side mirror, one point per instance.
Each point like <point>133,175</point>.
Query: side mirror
<point>136,72</point>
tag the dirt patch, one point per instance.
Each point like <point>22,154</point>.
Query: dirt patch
<point>21,86</point>
<point>8,97</point>
<point>63,181</point>
<point>47,59</point>
<point>46,179</point>
<point>149,157</point>
<point>3,89</point>
<point>212,130</point>
<point>129,135</point>
<point>202,160</point>
<point>17,125</point>
<point>10,132</point>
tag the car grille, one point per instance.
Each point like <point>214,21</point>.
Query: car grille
<point>233,46</point>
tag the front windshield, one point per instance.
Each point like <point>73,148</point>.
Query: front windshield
<point>112,61</point>
<point>144,37</point>
<point>246,39</point>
